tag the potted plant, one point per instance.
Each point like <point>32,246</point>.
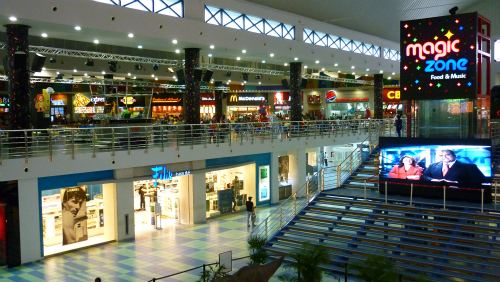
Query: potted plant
<point>258,254</point>
<point>308,261</point>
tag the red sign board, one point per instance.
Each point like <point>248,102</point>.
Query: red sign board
<point>391,95</point>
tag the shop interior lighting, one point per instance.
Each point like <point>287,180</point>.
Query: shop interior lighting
<point>244,51</point>
<point>129,74</point>
<point>285,64</point>
<point>103,72</point>
<point>389,77</point>
<point>393,73</point>
<point>353,67</point>
<point>305,67</point>
<point>367,69</point>
<point>75,70</point>
<point>381,71</point>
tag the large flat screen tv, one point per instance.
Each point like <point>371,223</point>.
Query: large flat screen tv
<point>462,166</point>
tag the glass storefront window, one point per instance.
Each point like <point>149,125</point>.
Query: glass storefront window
<point>346,110</point>
<point>227,190</point>
<point>166,193</point>
<point>72,218</point>
<point>444,118</point>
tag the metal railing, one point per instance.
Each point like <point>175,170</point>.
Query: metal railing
<point>315,184</point>
<point>26,144</point>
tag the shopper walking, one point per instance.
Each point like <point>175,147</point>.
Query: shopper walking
<point>398,123</point>
<point>250,210</point>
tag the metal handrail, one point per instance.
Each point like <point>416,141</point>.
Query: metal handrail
<point>290,207</point>
<point>72,141</point>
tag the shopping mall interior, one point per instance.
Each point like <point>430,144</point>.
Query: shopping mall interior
<point>148,140</point>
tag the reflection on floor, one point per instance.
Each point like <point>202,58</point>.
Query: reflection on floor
<point>152,254</point>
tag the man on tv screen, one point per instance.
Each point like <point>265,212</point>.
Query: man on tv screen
<point>450,170</point>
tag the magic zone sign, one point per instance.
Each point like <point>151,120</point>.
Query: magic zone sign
<point>438,57</point>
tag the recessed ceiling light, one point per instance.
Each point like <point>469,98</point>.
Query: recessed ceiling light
<point>96,41</point>
<point>295,59</point>
<point>174,77</point>
<point>260,83</point>
<point>389,77</point>
<point>134,77</point>
<point>78,28</point>
<point>285,64</point>
<point>152,75</point>
<point>139,46</point>
<point>75,70</point>
<point>156,78</point>
<point>316,62</point>
<point>271,55</point>
<point>353,67</point>
<point>85,74</point>
<point>338,71</point>
<point>238,58</point>
<point>174,41</point>
<point>210,55</point>
<point>336,65</point>
<point>229,80</point>
<point>381,71</point>
<point>393,73</point>
<point>244,51</point>
<point>58,73</point>
<point>353,73</point>
<point>305,67</point>
<point>212,47</point>
<point>12,19</point>
<point>44,35</point>
<point>367,69</point>
<point>44,69</point>
<point>130,35</point>
<point>129,74</point>
<point>177,51</point>
<point>322,69</point>
<point>103,72</point>
<point>263,61</point>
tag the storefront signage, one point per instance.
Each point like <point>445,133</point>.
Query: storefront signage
<point>331,96</point>
<point>438,57</point>
<point>128,100</point>
<point>169,100</point>
<point>4,102</point>
<point>162,173</point>
<point>89,110</point>
<point>313,99</point>
<point>96,100</point>
<point>281,98</point>
<point>236,99</point>
<point>391,95</point>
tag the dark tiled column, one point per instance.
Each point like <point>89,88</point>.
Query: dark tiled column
<point>192,106</point>
<point>19,77</point>
<point>378,88</point>
<point>295,81</point>
<point>218,100</point>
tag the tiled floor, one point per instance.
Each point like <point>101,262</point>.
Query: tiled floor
<point>153,254</point>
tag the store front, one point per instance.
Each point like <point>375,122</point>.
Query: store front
<point>161,196</point>
<point>86,106</point>
<point>285,182</point>
<point>245,106</point>
<point>391,103</point>
<point>132,106</point>
<point>229,182</point>
<point>166,105</point>
<point>347,104</point>
<point>313,101</point>
<point>207,106</point>
<point>60,111</point>
<point>281,104</point>
<point>227,190</point>
<point>75,215</point>
<point>4,110</point>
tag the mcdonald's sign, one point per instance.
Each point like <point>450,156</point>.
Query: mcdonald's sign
<point>233,98</point>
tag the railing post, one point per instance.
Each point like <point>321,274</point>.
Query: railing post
<point>411,194</point>
<point>25,146</point>
<point>482,200</point>
<point>350,164</point>
<point>386,192</point>
<point>112,142</point>
<point>72,144</point>
<point>192,137</point>
<point>495,200</point>
<point>365,189</point>
<point>338,176</point>
<point>444,197</point>
<point>281,217</point>
<point>204,274</point>
<point>267,218</point>
<point>295,204</point>
<point>49,132</point>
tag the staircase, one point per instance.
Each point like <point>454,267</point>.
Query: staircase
<point>456,244</point>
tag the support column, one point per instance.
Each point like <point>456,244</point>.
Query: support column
<point>19,77</point>
<point>295,81</point>
<point>275,180</point>
<point>29,220</point>
<point>378,88</point>
<point>124,199</point>
<point>192,105</point>
<point>298,170</point>
<point>198,193</point>
<point>218,100</point>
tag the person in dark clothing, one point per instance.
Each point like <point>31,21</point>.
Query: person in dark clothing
<point>398,123</point>
<point>250,208</point>
<point>142,194</point>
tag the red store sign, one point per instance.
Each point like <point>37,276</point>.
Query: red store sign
<point>391,95</point>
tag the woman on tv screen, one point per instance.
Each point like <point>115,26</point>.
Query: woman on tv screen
<point>406,169</point>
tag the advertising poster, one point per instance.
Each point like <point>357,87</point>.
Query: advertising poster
<point>283,167</point>
<point>264,194</point>
<point>74,215</point>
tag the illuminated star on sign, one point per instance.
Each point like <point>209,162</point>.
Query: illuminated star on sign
<point>415,39</point>
<point>459,84</point>
<point>417,81</point>
<point>469,84</point>
<point>419,88</point>
<point>438,85</point>
<point>449,34</point>
<point>436,38</point>
<point>461,28</point>
<point>418,67</point>
<point>405,67</point>
<point>406,25</point>
<point>442,30</point>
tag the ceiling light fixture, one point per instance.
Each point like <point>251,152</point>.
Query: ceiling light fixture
<point>134,77</point>
<point>130,35</point>
<point>305,67</point>
<point>174,41</point>
<point>316,62</point>
<point>177,51</point>
<point>45,35</point>
<point>260,83</point>
<point>285,64</point>
<point>389,77</point>
<point>75,70</point>
<point>170,70</point>
<point>13,19</point>
<point>238,58</point>
<point>336,65</point>
<point>263,61</point>
<point>353,67</point>
<point>393,73</point>
<point>271,55</point>
<point>210,55</point>
<point>212,47</point>
<point>129,74</point>
<point>139,46</point>
<point>103,72</point>
<point>78,28</point>
<point>295,59</point>
<point>367,69</point>
<point>322,69</point>
<point>85,74</point>
<point>381,71</point>
<point>44,69</point>
<point>244,51</point>
<point>96,41</point>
